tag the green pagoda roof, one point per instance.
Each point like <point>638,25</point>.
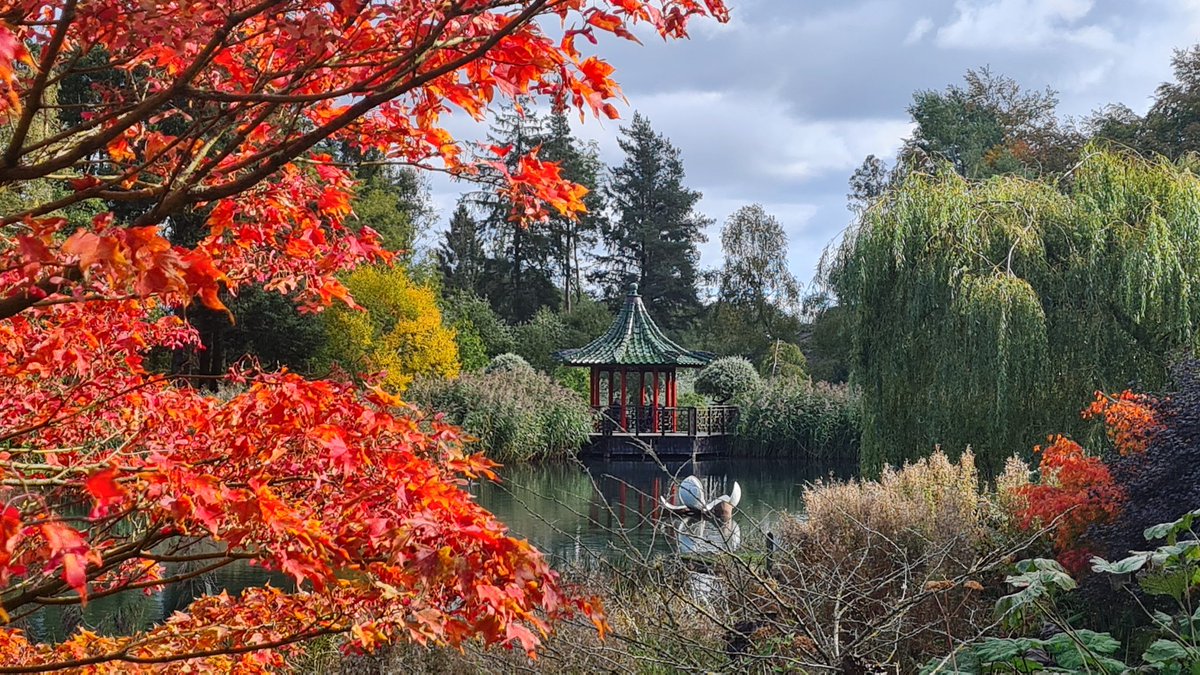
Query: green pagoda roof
<point>634,340</point>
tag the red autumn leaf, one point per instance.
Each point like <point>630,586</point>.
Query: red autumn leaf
<point>214,114</point>
<point>105,491</point>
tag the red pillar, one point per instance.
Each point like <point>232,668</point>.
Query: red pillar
<point>673,395</point>
<point>595,382</point>
<point>624,404</point>
<point>654,417</point>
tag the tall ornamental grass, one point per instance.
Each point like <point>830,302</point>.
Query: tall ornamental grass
<point>797,418</point>
<point>516,415</point>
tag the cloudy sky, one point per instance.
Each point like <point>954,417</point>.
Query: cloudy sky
<point>782,103</point>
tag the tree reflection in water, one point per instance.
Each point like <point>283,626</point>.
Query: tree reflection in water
<point>581,513</point>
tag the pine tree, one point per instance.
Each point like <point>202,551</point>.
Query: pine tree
<point>460,256</point>
<point>653,239</point>
<point>518,277</point>
<point>395,203</point>
<point>573,239</point>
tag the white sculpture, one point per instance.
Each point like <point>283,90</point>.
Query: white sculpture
<point>691,493</point>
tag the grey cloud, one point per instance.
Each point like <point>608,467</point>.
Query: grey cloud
<point>780,105</point>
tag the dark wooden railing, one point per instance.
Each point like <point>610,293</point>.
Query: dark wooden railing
<point>646,420</point>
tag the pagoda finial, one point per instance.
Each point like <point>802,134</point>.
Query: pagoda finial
<point>632,288</point>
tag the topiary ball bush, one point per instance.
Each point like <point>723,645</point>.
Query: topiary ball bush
<point>508,363</point>
<point>728,378</point>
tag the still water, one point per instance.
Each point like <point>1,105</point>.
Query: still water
<point>575,512</point>
<point>578,512</point>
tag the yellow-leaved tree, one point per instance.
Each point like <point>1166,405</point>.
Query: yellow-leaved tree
<point>398,333</point>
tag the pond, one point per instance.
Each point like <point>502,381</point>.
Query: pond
<point>575,512</point>
<point>578,511</point>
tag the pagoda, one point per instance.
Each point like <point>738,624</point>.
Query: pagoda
<point>633,390</point>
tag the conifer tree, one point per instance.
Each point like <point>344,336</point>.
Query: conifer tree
<point>572,240</point>
<point>460,255</point>
<point>654,235</point>
<point>518,279</point>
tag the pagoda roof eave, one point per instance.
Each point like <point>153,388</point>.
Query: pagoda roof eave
<point>634,340</point>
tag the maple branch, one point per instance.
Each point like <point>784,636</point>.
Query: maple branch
<point>290,151</point>
<point>137,585</point>
<point>34,96</point>
<point>123,655</point>
<point>13,305</point>
<point>142,110</point>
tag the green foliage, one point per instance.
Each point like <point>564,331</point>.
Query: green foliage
<point>585,321</point>
<point>516,414</point>
<point>539,338</point>
<point>653,238</point>
<point>1171,570</point>
<point>399,332</point>
<point>572,238</point>
<point>460,256</point>
<point>784,360</point>
<point>509,363</point>
<point>727,378</point>
<point>755,272</point>
<point>472,352</point>
<point>1170,125</point>
<point>394,203</point>
<point>797,418</point>
<point>461,309</point>
<point>984,314</point>
<point>729,329</point>
<point>518,275</point>
<point>826,341</point>
<point>575,379</point>
<point>990,126</point>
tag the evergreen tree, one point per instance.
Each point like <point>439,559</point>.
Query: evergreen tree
<point>573,239</point>
<point>460,256</point>
<point>518,278</point>
<point>395,203</point>
<point>653,238</point>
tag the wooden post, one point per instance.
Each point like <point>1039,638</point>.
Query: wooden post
<point>624,404</point>
<point>654,416</point>
<point>641,398</point>
<point>595,386</point>
<point>673,395</point>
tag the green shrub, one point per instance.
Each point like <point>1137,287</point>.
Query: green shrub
<point>575,379</point>
<point>472,353</point>
<point>727,378</point>
<point>797,417</point>
<point>540,338</point>
<point>497,336</point>
<point>784,359</point>
<point>516,414</point>
<point>508,363</point>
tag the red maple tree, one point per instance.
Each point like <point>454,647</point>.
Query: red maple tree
<point>109,473</point>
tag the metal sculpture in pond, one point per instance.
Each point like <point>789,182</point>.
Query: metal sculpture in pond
<point>697,532</point>
<point>691,493</point>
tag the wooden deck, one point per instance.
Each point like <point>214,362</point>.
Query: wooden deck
<point>668,432</point>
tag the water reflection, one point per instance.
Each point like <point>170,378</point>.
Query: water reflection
<point>132,611</point>
<point>575,512</point>
<point>701,536</point>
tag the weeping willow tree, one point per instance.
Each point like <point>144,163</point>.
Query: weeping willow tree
<point>985,314</point>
